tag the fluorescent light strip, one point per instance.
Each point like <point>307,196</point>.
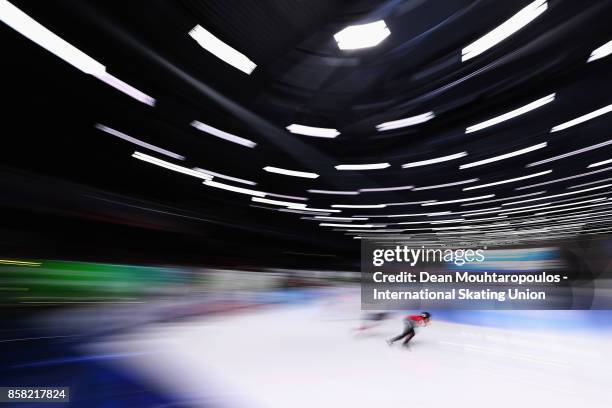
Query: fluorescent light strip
<point>447,221</point>
<point>512,180</point>
<point>362,35</point>
<point>601,52</point>
<point>293,173</point>
<point>222,135</point>
<point>277,202</point>
<point>505,30</point>
<point>504,156</point>
<point>583,118</point>
<point>140,143</point>
<point>221,50</point>
<point>461,200</point>
<point>170,166</point>
<point>300,211</point>
<point>564,179</point>
<point>588,184</point>
<point>235,189</point>
<point>419,215</point>
<point>320,210</point>
<point>371,166</point>
<point>372,190</point>
<point>436,160</point>
<point>333,192</point>
<point>457,183</point>
<point>313,131</point>
<point>411,203</point>
<point>358,206</point>
<point>573,208</point>
<point>342,218</point>
<point>558,195</point>
<point>325,224</point>
<point>503,199</point>
<point>531,207</point>
<point>411,121</point>
<point>34,31</point>
<point>223,176</point>
<point>512,114</point>
<point>601,163</point>
<point>286,196</point>
<point>562,156</point>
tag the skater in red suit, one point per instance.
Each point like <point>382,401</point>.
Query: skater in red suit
<point>410,322</point>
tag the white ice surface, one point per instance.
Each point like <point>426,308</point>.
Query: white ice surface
<point>309,356</point>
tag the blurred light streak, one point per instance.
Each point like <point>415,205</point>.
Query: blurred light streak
<point>457,183</point>
<point>313,131</point>
<point>562,156</point>
<point>505,30</point>
<point>411,121</point>
<point>222,135</point>
<point>601,52</point>
<point>293,173</point>
<point>140,143</point>
<point>221,50</point>
<point>564,179</point>
<point>20,263</point>
<point>368,166</point>
<point>436,160</point>
<point>582,119</point>
<point>31,29</point>
<point>512,114</point>
<point>223,186</point>
<point>223,176</point>
<point>170,166</point>
<point>460,200</point>
<point>362,35</point>
<point>601,163</point>
<point>504,156</point>
<point>512,180</point>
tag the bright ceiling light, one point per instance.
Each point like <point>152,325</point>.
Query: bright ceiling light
<point>334,192</point>
<point>601,52</point>
<point>362,35</point>
<point>564,178</point>
<point>223,176</point>
<point>456,183</point>
<point>512,114</point>
<point>512,180</point>
<point>235,189</point>
<point>140,143</point>
<point>322,217</point>
<point>371,166</point>
<point>504,156</point>
<point>601,163</point>
<point>583,118</point>
<point>170,166</point>
<point>221,50</point>
<point>286,196</point>
<point>277,202</point>
<point>31,29</point>
<point>373,190</point>
<point>294,173</point>
<point>326,224</point>
<point>411,121</point>
<point>313,131</point>
<point>223,135</point>
<point>557,195</point>
<point>436,160</point>
<point>505,30</point>
<point>461,200</point>
<point>358,206</point>
<point>563,156</point>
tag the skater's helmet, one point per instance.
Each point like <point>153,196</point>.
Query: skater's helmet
<point>425,315</point>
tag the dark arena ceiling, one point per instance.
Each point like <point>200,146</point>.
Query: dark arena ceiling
<point>503,135</point>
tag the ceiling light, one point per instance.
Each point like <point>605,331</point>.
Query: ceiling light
<point>436,160</point>
<point>326,224</point>
<point>362,35</point>
<point>456,183</point>
<point>293,173</point>
<point>358,206</point>
<point>235,189</point>
<point>223,135</point>
<point>411,121</point>
<point>313,131</point>
<point>277,202</point>
<point>583,118</point>
<point>460,200</point>
<point>563,156</point>
<point>140,143</point>
<point>170,166</point>
<point>221,50</point>
<point>31,29</point>
<point>372,190</point>
<point>505,30</point>
<point>601,52</point>
<point>601,163</point>
<point>512,180</point>
<point>512,114</point>
<point>504,156</point>
<point>564,178</point>
<point>504,199</point>
<point>223,176</point>
<point>371,166</point>
<point>334,192</point>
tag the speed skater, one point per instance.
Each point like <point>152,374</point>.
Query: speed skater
<point>410,323</point>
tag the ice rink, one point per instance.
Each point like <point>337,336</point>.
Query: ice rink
<point>309,355</point>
